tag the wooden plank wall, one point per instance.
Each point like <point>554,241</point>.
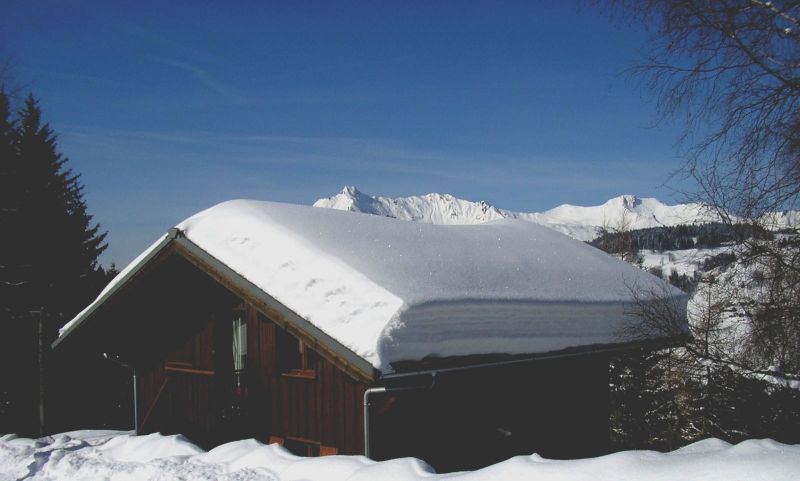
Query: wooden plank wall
<point>327,409</point>
<point>180,393</point>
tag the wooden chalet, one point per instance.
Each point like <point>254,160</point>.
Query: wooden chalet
<point>219,356</point>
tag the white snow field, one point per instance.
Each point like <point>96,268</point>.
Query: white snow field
<point>392,290</point>
<point>685,261</point>
<point>120,456</point>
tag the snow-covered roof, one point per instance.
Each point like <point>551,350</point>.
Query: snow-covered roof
<point>392,290</point>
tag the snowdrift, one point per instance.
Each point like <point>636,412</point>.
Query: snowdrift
<point>118,456</point>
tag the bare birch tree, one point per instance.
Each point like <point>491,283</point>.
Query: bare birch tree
<point>729,72</point>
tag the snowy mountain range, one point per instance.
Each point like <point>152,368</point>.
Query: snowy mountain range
<point>580,222</point>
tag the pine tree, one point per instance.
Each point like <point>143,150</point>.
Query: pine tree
<point>8,395</point>
<point>49,250</point>
<point>53,250</point>
<point>8,205</point>
<point>646,396</point>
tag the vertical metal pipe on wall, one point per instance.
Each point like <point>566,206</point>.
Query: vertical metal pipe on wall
<point>367,394</point>
<point>135,390</point>
<point>135,405</point>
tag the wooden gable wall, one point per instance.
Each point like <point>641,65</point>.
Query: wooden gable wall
<point>190,388</point>
<point>325,410</point>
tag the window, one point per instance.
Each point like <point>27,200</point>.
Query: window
<point>194,355</point>
<point>294,357</point>
<point>239,342</point>
<point>239,346</point>
<point>182,356</point>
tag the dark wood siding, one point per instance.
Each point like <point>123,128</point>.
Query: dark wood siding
<point>185,391</point>
<point>557,408</point>
<point>189,390</point>
<point>326,409</point>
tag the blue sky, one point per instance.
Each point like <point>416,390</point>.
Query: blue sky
<point>167,108</point>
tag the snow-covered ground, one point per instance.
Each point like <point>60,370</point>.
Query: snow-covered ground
<point>734,286</point>
<point>685,261</point>
<point>119,456</point>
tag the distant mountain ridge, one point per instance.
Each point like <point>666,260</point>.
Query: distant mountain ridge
<point>580,222</point>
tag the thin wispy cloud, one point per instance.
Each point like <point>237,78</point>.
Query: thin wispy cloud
<point>192,61</point>
<point>209,137</point>
<point>353,154</point>
<point>204,77</point>
<point>78,78</point>
<point>164,43</point>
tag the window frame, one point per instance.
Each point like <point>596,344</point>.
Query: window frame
<point>294,357</point>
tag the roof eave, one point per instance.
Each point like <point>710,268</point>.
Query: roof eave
<point>442,365</point>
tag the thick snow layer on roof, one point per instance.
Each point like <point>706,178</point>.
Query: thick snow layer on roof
<point>110,457</point>
<point>391,290</point>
